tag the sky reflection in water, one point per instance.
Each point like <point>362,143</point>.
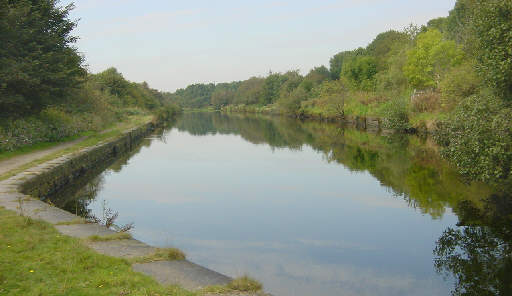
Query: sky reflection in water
<point>288,217</point>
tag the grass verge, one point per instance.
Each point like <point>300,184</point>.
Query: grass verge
<point>93,138</point>
<point>73,222</point>
<point>110,237</point>
<point>167,254</point>
<point>40,146</point>
<point>35,259</point>
<point>241,284</point>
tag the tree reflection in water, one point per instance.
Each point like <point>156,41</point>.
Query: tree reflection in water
<point>81,192</point>
<point>479,253</point>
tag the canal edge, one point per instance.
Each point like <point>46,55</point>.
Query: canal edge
<point>21,193</point>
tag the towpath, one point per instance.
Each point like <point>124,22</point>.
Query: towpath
<point>15,162</point>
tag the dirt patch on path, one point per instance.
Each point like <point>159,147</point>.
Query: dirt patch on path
<point>10,164</point>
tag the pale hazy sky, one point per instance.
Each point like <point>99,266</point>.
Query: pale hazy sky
<point>171,44</point>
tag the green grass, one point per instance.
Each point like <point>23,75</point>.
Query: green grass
<point>166,254</point>
<point>92,139</point>
<point>40,146</point>
<point>241,284</point>
<point>35,259</point>
<point>416,119</point>
<point>73,222</point>
<point>110,237</point>
<point>204,109</point>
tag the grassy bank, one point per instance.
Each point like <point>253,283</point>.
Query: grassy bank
<point>35,259</point>
<point>92,138</point>
<point>356,105</point>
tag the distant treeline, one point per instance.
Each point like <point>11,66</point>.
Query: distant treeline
<point>46,94</point>
<point>452,76</point>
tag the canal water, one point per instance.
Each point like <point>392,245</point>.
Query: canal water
<point>306,208</point>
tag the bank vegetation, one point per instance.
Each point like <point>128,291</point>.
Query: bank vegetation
<point>46,93</point>
<point>451,77</point>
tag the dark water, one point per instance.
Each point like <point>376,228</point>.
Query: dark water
<point>307,208</point>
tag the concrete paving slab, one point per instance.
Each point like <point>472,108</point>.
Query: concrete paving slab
<point>36,209</point>
<point>124,248</point>
<point>84,230</point>
<point>182,272</point>
<point>13,195</point>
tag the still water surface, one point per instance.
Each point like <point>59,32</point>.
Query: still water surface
<point>306,208</point>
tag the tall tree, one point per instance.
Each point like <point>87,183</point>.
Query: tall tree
<point>492,26</point>
<point>38,63</point>
<point>431,56</point>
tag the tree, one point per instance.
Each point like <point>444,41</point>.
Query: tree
<point>337,61</point>
<point>318,75</point>
<point>38,64</point>
<point>458,24</point>
<point>292,80</point>
<point>271,88</point>
<point>430,58</point>
<point>224,94</point>
<point>492,27</point>
<point>249,91</point>
<point>360,71</point>
<point>383,45</point>
<point>112,81</point>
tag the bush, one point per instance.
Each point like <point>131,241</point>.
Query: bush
<point>51,125</point>
<point>58,124</point>
<point>426,101</point>
<point>291,102</point>
<point>459,83</point>
<point>478,138</point>
<point>396,115</point>
<point>167,112</point>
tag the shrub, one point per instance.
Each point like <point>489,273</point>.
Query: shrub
<point>167,112</point>
<point>51,125</point>
<point>292,102</point>
<point>478,138</point>
<point>459,83</point>
<point>58,124</point>
<point>426,101</point>
<point>396,115</point>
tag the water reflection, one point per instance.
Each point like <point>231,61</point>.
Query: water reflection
<point>305,207</point>
<point>409,166</point>
<point>479,253</point>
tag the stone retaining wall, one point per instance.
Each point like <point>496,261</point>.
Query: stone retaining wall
<point>73,167</point>
<point>17,194</point>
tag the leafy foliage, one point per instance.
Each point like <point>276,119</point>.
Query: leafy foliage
<point>492,27</point>
<point>459,83</point>
<point>479,253</point>
<point>447,61</point>
<point>38,64</point>
<point>478,138</point>
<point>430,58</point>
<point>396,115</point>
<point>360,71</point>
<point>102,100</point>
